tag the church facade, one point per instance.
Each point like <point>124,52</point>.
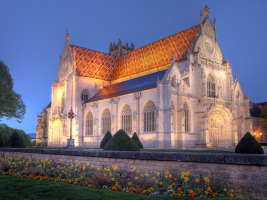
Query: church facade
<point>177,92</point>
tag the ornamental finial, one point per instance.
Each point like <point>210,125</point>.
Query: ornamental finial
<point>206,11</point>
<point>67,35</point>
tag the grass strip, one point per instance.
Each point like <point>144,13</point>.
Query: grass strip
<point>13,188</point>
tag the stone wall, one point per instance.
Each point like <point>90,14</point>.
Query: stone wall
<point>246,174</point>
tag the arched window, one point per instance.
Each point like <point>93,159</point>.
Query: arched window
<point>62,102</point>
<point>211,86</point>
<point>186,117</point>
<point>173,81</point>
<point>89,124</point>
<point>85,95</point>
<point>106,121</point>
<point>149,117</point>
<point>126,119</point>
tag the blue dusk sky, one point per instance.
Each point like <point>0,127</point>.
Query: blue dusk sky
<point>32,37</point>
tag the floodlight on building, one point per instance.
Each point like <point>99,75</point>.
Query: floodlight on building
<point>254,133</point>
<point>260,133</point>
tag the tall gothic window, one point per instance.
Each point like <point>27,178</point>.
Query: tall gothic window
<point>62,102</point>
<point>126,119</point>
<point>211,86</point>
<point>186,117</point>
<point>106,121</point>
<point>149,117</point>
<point>173,81</point>
<point>89,124</point>
<point>85,95</point>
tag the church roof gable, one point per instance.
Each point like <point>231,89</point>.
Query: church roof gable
<point>130,86</point>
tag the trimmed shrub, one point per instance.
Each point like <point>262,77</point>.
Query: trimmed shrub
<point>248,144</point>
<point>121,142</point>
<point>137,141</point>
<point>15,141</point>
<point>2,142</point>
<point>105,139</point>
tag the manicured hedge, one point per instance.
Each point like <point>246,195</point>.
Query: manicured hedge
<point>248,144</point>
<point>121,142</point>
<point>105,139</point>
<point>137,141</point>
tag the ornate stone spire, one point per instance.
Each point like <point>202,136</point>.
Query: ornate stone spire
<point>206,11</point>
<point>67,36</point>
<point>236,76</point>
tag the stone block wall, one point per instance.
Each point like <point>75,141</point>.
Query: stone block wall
<point>246,174</point>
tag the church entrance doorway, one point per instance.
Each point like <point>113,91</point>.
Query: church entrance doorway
<point>219,130</point>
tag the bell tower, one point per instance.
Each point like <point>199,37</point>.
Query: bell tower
<point>119,49</point>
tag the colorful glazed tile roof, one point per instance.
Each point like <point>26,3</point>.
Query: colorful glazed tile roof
<point>103,66</point>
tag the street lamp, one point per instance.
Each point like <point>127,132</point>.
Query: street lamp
<point>261,136</point>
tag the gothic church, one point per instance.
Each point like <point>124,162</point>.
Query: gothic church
<point>177,92</point>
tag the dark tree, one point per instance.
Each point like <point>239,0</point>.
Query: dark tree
<point>2,142</point>
<point>121,142</point>
<point>105,139</point>
<point>15,141</point>
<point>248,144</point>
<point>11,104</point>
<point>137,141</point>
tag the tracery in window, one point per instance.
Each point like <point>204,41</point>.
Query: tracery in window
<point>62,102</point>
<point>106,121</point>
<point>126,119</point>
<point>173,81</point>
<point>89,124</point>
<point>186,117</point>
<point>85,95</point>
<point>149,117</point>
<point>211,86</point>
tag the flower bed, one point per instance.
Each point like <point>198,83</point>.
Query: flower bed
<point>112,178</point>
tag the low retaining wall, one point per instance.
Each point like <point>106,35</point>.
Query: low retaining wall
<point>246,174</point>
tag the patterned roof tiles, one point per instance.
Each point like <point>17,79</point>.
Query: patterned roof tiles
<point>103,66</point>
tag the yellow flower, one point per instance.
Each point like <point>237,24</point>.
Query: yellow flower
<point>97,168</point>
<point>170,176</point>
<point>136,178</point>
<point>134,169</point>
<point>197,180</point>
<point>87,164</point>
<point>129,183</point>
<point>166,176</point>
<point>167,172</point>
<point>231,190</point>
<point>225,189</point>
<point>92,165</point>
<point>154,178</point>
<point>182,176</point>
<point>183,173</point>
<point>78,163</point>
<point>113,179</point>
<point>137,171</point>
<point>206,192</point>
<point>146,174</point>
<point>158,173</point>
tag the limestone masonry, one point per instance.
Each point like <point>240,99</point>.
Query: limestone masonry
<point>177,92</point>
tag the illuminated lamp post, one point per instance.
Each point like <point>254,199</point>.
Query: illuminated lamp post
<point>261,136</point>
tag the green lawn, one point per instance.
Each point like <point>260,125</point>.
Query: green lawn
<point>147,150</point>
<point>22,189</point>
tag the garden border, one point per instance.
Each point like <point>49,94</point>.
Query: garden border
<point>219,158</point>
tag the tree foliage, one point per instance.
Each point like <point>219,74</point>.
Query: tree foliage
<point>121,142</point>
<point>105,139</point>
<point>263,119</point>
<point>6,132</point>
<point>137,141</point>
<point>11,104</point>
<point>248,144</point>
<point>15,141</point>
<point>2,142</point>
